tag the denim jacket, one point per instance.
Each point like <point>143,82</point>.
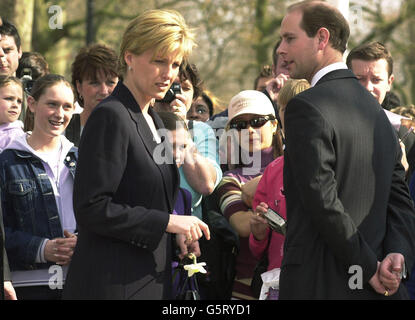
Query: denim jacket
<point>30,212</point>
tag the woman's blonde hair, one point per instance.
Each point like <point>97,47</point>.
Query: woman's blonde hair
<point>165,31</point>
<point>290,89</point>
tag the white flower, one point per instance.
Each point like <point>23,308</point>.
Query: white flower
<point>194,268</point>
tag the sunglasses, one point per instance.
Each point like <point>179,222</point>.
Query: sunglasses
<point>257,122</point>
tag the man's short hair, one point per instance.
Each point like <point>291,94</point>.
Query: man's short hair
<point>266,72</point>
<point>8,29</point>
<point>318,14</point>
<point>275,54</point>
<point>33,61</point>
<point>372,51</point>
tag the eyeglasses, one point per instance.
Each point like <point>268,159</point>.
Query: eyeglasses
<point>256,122</point>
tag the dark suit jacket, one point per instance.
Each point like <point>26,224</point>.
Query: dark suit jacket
<point>347,202</point>
<point>122,201</point>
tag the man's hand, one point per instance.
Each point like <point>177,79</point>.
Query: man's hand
<point>376,283</point>
<point>390,272</point>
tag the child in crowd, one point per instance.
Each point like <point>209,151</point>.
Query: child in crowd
<point>11,97</point>
<point>38,170</point>
<point>270,193</point>
<point>178,137</point>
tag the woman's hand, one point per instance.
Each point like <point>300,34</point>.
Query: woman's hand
<point>259,225</point>
<point>187,246</point>
<point>192,227</point>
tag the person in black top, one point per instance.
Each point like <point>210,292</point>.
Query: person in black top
<point>94,75</point>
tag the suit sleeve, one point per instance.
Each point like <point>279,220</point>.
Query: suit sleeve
<point>312,159</point>
<point>103,155</point>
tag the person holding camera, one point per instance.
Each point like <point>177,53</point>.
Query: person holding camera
<point>270,194</point>
<point>200,172</point>
<point>255,142</point>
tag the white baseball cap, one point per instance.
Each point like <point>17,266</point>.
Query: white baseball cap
<point>250,102</point>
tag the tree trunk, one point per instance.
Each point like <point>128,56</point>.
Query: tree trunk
<point>410,60</point>
<point>20,13</point>
<point>7,10</point>
<point>24,10</point>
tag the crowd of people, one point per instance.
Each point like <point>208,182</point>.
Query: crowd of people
<point>107,175</point>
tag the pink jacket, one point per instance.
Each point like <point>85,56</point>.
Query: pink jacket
<point>270,191</point>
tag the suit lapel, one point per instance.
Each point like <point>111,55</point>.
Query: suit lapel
<point>168,172</point>
<point>127,99</point>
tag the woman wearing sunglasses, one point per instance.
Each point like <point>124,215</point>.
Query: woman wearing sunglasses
<point>254,143</point>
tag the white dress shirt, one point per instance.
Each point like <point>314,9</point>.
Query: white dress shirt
<point>322,72</point>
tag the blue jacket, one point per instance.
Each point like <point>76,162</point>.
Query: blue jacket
<point>30,212</point>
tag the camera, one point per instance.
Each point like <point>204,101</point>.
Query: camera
<point>27,80</point>
<point>171,93</point>
<point>275,221</point>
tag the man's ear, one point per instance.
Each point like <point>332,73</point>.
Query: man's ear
<point>323,37</point>
<point>390,81</point>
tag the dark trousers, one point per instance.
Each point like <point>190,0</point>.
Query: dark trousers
<point>38,293</point>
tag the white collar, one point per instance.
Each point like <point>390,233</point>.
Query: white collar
<point>322,72</point>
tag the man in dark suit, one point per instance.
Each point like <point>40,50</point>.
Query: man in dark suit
<point>351,222</point>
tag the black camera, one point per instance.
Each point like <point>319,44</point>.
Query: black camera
<point>27,80</point>
<point>171,93</point>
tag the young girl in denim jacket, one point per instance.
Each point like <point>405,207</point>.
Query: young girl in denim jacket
<point>11,97</point>
<point>36,175</point>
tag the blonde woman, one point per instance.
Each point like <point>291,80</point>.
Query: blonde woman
<point>124,196</point>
